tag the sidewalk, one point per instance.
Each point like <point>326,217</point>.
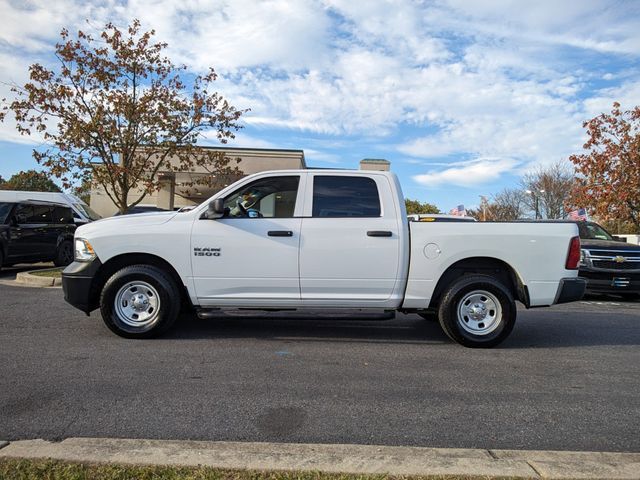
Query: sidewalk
<point>357,459</point>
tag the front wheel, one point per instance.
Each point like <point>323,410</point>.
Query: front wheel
<point>140,301</point>
<point>477,311</point>
<point>64,254</point>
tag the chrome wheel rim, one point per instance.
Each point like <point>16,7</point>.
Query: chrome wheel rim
<point>137,304</point>
<point>479,312</point>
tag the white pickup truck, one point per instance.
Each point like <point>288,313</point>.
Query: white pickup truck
<point>296,239</point>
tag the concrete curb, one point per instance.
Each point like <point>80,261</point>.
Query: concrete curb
<point>356,459</point>
<point>26,278</point>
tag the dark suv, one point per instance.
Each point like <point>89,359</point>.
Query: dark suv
<point>608,263</point>
<point>32,231</point>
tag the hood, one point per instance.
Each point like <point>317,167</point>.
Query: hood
<point>125,221</point>
<point>608,244</point>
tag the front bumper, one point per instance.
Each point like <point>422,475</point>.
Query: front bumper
<point>611,281</point>
<point>77,279</point>
<point>570,290</point>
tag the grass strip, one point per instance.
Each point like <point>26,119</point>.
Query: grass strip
<point>56,273</point>
<point>23,469</point>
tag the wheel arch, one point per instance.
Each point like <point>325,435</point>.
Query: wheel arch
<point>118,262</point>
<point>63,237</point>
<point>481,265</point>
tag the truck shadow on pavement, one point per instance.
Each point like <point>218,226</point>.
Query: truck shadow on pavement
<point>304,329</point>
<point>551,329</point>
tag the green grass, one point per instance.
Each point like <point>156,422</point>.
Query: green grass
<point>54,273</point>
<point>19,469</point>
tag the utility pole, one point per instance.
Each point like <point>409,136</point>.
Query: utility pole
<point>483,203</point>
<point>535,196</point>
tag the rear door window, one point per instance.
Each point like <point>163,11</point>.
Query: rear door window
<point>343,196</point>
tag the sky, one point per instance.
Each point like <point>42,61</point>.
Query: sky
<point>461,96</point>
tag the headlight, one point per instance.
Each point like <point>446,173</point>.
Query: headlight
<point>84,251</point>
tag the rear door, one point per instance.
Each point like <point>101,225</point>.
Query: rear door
<point>350,243</point>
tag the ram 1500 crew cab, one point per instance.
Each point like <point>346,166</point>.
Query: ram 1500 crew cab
<point>314,239</point>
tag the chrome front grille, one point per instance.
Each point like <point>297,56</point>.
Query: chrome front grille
<point>625,260</point>
<point>611,265</point>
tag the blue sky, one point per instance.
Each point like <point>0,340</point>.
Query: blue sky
<point>461,96</point>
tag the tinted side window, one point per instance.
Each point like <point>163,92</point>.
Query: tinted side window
<point>5,208</point>
<point>62,215</point>
<point>338,196</point>
<point>40,214</point>
<point>23,213</point>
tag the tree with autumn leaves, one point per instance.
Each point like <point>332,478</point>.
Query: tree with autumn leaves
<point>608,180</point>
<point>29,181</point>
<point>117,112</point>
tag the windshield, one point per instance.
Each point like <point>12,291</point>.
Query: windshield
<point>86,210</point>
<point>5,208</point>
<point>593,231</point>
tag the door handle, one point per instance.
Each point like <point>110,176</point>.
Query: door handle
<point>379,233</point>
<point>280,233</point>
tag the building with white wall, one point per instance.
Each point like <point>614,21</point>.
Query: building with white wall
<point>178,190</point>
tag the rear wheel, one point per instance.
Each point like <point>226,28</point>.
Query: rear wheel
<point>140,301</point>
<point>64,255</point>
<point>477,311</point>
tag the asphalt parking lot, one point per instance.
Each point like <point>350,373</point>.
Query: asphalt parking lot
<point>568,378</point>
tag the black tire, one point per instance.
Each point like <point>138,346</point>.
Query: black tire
<point>159,289</point>
<point>477,311</point>
<point>64,254</point>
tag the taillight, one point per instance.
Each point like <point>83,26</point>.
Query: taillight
<point>573,258</point>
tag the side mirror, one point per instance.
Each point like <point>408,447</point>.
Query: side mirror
<point>216,209</point>
<point>619,239</point>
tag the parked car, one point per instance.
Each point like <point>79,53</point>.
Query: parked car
<point>82,213</point>
<point>33,231</point>
<point>609,264</point>
<point>299,239</point>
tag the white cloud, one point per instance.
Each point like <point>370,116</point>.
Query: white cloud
<point>627,94</point>
<point>229,34</point>
<point>598,25</point>
<point>312,155</point>
<point>475,172</point>
<point>497,79</point>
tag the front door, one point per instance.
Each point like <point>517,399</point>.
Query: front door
<point>250,256</point>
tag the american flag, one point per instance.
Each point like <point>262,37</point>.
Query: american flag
<point>459,211</point>
<point>579,214</point>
